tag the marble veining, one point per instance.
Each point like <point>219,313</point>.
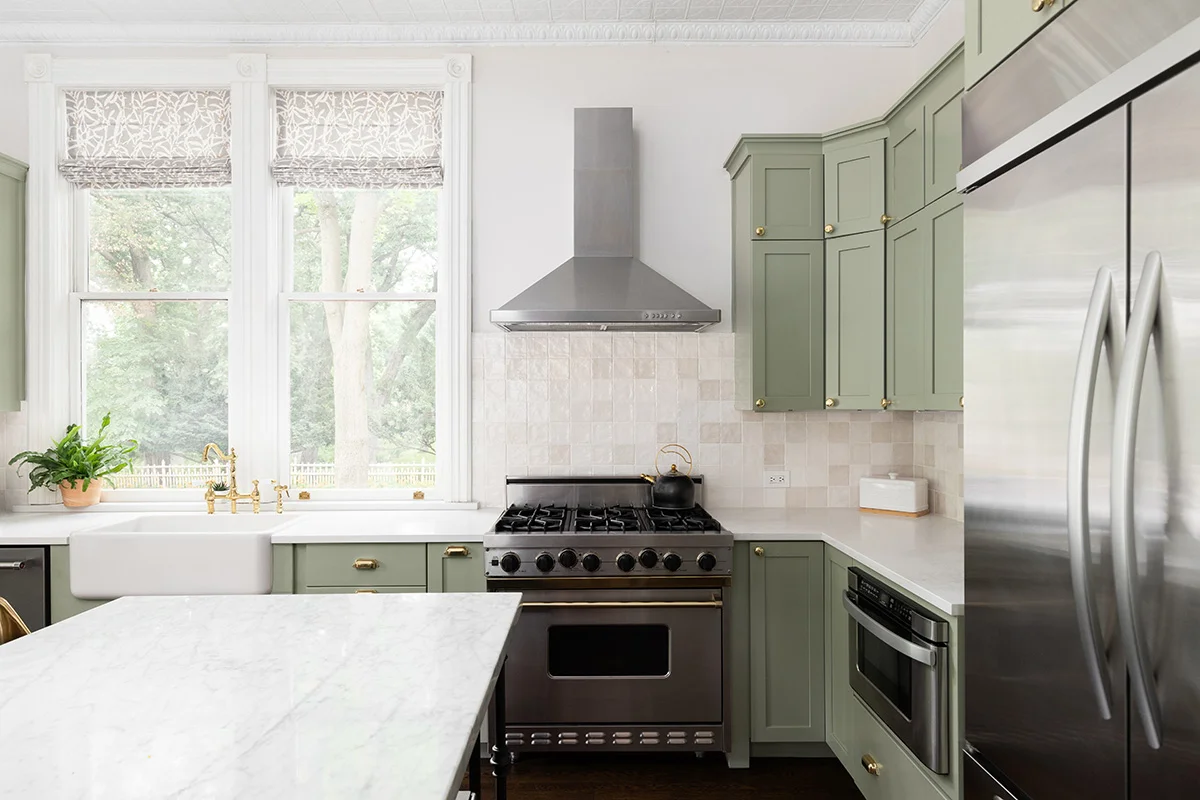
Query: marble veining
<point>280,696</point>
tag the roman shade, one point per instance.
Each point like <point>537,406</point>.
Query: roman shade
<point>147,138</point>
<point>358,139</point>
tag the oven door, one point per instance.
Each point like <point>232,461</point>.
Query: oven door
<point>902,678</point>
<point>616,656</point>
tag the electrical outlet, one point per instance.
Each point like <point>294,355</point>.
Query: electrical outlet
<point>780,479</point>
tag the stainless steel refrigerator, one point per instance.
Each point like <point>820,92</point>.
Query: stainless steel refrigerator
<point>1082,421</point>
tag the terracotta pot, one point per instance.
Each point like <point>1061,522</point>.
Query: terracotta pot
<point>74,497</point>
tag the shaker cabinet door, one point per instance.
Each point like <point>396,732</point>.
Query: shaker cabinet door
<point>788,197</point>
<point>854,189</point>
<point>945,287</point>
<point>943,130</point>
<point>12,284</point>
<point>996,28</point>
<point>907,313</point>
<point>455,567</point>
<point>905,170</point>
<point>854,321</point>
<point>839,697</point>
<point>788,320</point>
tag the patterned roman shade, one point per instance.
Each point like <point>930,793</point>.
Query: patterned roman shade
<point>147,138</point>
<point>358,139</point>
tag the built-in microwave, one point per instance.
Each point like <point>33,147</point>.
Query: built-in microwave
<point>900,667</point>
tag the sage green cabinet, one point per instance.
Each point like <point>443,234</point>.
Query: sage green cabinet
<point>787,192</point>
<point>63,604</point>
<point>996,28</point>
<point>839,697</point>
<point>787,642</point>
<point>925,308</point>
<point>12,283</point>
<point>905,168</point>
<point>854,189</point>
<point>455,567</point>
<point>360,566</point>
<point>785,334</point>
<point>898,776</point>
<point>854,321</point>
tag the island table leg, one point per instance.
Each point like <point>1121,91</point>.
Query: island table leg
<point>501,757</point>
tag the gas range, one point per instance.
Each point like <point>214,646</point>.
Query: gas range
<point>601,527</point>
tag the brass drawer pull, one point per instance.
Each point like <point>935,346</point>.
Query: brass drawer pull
<point>884,403</point>
<point>872,766</point>
<point>830,402</point>
<point>759,403</point>
<point>758,551</point>
<point>760,231</point>
<point>885,219</point>
<point>366,563</point>
<point>366,591</point>
<point>829,228</point>
<point>455,550</point>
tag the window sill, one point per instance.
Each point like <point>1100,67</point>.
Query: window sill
<point>267,507</point>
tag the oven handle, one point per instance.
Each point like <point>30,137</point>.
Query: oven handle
<point>925,654</point>
<point>714,603</point>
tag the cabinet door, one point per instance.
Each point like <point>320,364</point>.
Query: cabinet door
<point>787,640</point>
<point>943,131</point>
<point>788,314</point>
<point>907,313</point>
<point>944,285</point>
<point>854,189</point>
<point>788,197</point>
<point>455,567</point>
<point>905,169</point>
<point>996,28</point>
<point>12,285</point>
<point>898,775</point>
<point>854,267</point>
<point>839,697</point>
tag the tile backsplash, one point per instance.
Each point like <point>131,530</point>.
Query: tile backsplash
<point>938,457</point>
<point>601,403</point>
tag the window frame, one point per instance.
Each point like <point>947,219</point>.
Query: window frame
<point>259,398</point>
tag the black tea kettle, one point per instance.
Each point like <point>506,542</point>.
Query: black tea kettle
<point>675,490</point>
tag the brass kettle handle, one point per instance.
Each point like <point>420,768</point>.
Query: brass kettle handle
<point>872,766</point>
<point>758,551</point>
<point>830,402</point>
<point>366,563</point>
<point>676,450</point>
<point>760,231</point>
<point>456,551</point>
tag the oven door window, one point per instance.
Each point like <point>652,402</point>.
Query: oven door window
<point>888,671</point>
<point>609,651</point>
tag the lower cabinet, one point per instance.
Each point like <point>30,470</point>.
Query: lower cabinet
<point>839,697</point>
<point>882,769</point>
<point>455,567</point>
<point>787,642</point>
<point>63,604</point>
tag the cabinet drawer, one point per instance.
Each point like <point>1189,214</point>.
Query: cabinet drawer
<point>387,564</point>
<point>899,776</point>
<point>362,590</point>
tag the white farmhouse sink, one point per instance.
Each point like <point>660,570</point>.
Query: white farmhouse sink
<point>164,554</point>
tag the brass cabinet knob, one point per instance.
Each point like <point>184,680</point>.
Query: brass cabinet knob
<point>872,766</point>
<point>960,401</point>
<point>1038,5</point>
<point>759,403</point>
<point>758,551</point>
<point>829,228</point>
<point>885,219</point>
<point>884,403</point>
<point>456,551</point>
<point>760,231</point>
<point>830,402</point>
<point>366,591</point>
<point>366,563</point>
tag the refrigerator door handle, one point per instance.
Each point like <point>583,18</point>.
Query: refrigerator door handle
<point>1100,329</point>
<point>1144,323</point>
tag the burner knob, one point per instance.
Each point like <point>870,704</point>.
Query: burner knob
<point>510,562</point>
<point>626,562</point>
<point>672,562</point>
<point>591,562</point>
<point>648,558</point>
<point>706,561</point>
<point>544,562</point>
<point>568,558</point>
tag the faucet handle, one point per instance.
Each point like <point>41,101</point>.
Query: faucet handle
<point>280,488</point>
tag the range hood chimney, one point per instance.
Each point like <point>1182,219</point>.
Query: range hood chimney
<point>603,286</point>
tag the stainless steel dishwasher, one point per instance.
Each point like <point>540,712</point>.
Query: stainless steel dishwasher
<point>23,583</point>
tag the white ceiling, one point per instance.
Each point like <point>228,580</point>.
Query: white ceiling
<point>877,21</point>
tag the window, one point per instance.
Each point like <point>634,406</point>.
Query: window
<point>247,255</point>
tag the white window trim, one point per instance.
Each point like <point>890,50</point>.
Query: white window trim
<point>258,429</point>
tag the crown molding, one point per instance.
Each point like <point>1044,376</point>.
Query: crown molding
<point>893,33</point>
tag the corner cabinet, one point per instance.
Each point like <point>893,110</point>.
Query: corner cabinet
<point>993,36</point>
<point>854,189</point>
<point>12,283</point>
<point>778,265</point>
<point>787,642</point>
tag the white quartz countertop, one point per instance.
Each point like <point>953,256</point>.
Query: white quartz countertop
<point>275,696</point>
<point>451,525</point>
<point>922,555</point>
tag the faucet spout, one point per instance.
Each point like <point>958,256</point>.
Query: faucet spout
<point>212,446</point>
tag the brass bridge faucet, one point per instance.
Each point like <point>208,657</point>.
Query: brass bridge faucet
<point>233,496</point>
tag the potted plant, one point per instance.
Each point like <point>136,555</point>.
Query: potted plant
<point>77,467</point>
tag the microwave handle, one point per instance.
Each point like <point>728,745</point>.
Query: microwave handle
<point>922,653</point>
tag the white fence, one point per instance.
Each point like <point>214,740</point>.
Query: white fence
<point>311,476</point>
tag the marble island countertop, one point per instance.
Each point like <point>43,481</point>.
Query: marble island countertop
<point>277,696</point>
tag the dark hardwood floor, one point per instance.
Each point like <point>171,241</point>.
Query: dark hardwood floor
<point>674,777</point>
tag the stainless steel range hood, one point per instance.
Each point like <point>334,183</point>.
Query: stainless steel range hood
<point>604,287</point>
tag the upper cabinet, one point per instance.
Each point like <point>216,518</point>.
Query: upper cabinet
<point>783,178</point>
<point>12,283</point>
<point>854,188</point>
<point>995,28</point>
<point>854,321</point>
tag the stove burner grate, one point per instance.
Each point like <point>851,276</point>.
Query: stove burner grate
<point>591,519</point>
<point>532,519</point>
<point>694,519</point>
